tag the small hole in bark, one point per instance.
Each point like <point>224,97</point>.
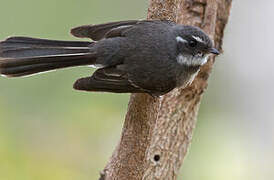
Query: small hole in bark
<point>157,157</point>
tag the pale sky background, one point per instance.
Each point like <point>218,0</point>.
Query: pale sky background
<point>244,79</point>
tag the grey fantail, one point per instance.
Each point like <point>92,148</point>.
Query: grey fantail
<point>136,56</point>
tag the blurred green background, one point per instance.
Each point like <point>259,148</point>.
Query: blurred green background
<point>49,131</point>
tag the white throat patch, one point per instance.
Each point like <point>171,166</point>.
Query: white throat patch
<point>192,60</point>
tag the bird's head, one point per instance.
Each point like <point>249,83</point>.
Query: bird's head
<point>193,45</point>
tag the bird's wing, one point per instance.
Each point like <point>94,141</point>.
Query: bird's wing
<point>108,80</point>
<point>97,32</point>
<point>112,29</point>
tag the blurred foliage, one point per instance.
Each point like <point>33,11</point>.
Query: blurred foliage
<point>48,130</point>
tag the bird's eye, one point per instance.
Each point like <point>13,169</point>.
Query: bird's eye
<point>192,43</point>
<point>200,54</point>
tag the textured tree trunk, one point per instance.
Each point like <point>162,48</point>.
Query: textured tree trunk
<point>157,131</point>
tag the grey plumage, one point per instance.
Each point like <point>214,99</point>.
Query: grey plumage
<point>135,56</point>
<point>21,56</point>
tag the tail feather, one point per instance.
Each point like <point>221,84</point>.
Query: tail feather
<point>41,51</point>
<point>28,66</point>
<point>20,56</point>
<point>19,40</point>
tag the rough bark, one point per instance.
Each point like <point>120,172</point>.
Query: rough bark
<point>157,131</point>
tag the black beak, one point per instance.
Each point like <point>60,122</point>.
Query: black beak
<point>214,51</point>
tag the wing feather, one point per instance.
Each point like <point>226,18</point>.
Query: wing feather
<point>112,29</point>
<point>97,32</point>
<point>107,80</point>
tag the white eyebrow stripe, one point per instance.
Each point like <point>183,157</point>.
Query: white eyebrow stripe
<point>198,39</point>
<point>180,39</point>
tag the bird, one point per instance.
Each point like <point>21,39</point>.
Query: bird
<point>133,56</point>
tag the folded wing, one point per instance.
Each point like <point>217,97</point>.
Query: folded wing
<point>107,80</point>
<point>112,29</point>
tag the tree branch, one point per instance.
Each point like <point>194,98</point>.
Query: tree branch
<point>157,131</point>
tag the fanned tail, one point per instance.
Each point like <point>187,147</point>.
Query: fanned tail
<point>21,56</point>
